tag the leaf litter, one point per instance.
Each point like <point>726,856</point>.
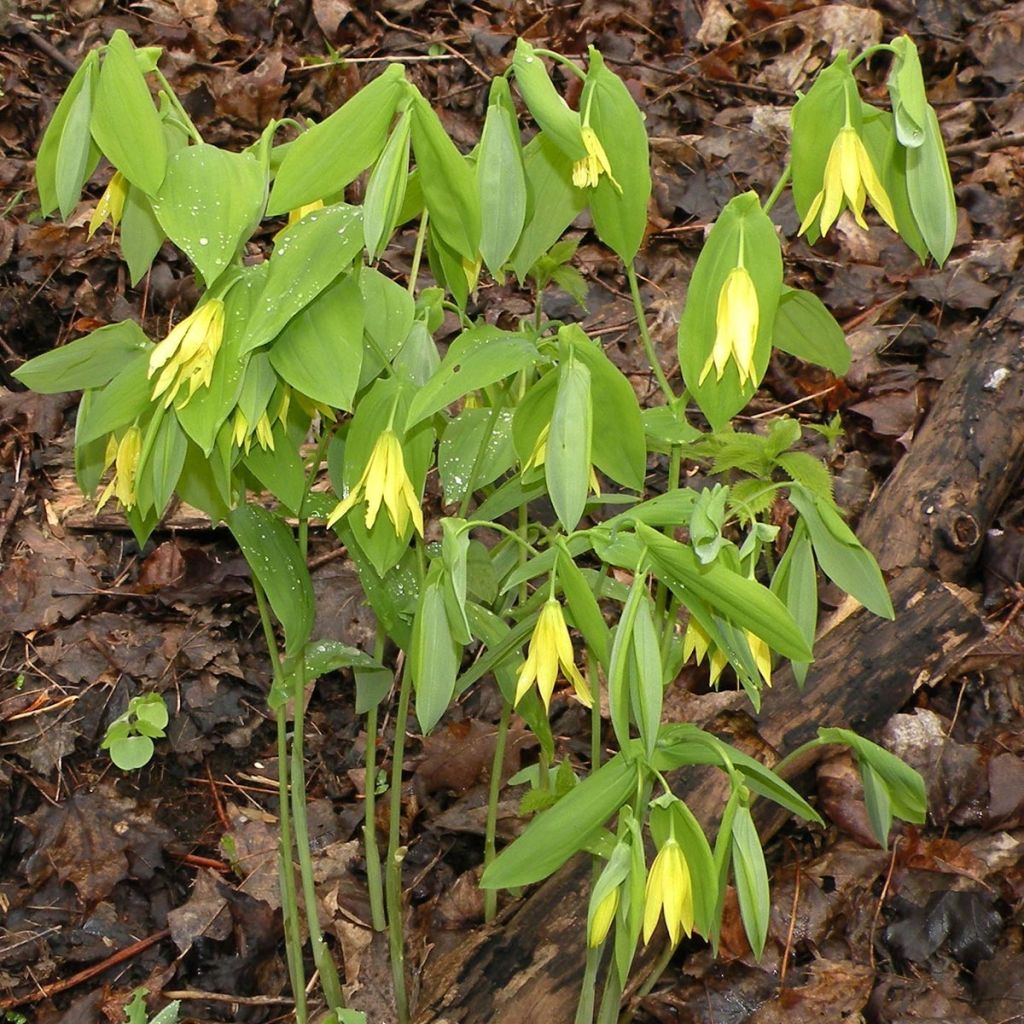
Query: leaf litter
<point>92,861</point>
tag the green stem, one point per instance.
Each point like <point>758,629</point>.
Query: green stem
<point>329,981</point>
<point>610,998</point>
<point>656,971</point>
<point>374,879</point>
<point>172,98</point>
<point>396,853</point>
<point>286,870</point>
<point>645,335</point>
<point>494,791</point>
<point>567,62</point>
<point>870,51</point>
<point>780,185</point>
<point>417,255</point>
<point>588,987</point>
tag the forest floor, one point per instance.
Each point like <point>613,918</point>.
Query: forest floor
<point>176,863</point>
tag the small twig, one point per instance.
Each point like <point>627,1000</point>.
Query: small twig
<point>792,925</point>
<point>43,46</point>
<point>226,997</point>
<point>881,901</point>
<point>986,145</point>
<point>46,991</point>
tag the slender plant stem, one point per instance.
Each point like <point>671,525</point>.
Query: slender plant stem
<point>289,895</point>
<point>373,875</point>
<point>172,98</point>
<point>491,831</point>
<point>780,185</point>
<point>610,998</point>
<point>567,62</point>
<point>322,958</point>
<point>588,986</point>
<point>417,255</point>
<point>396,853</point>
<point>656,971</point>
<point>645,335</point>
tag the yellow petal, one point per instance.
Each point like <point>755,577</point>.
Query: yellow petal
<point>603,917</point>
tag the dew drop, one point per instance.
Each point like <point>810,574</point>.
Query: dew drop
<point>204,241</point>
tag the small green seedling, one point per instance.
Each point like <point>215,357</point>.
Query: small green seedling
<point>130,736</point>
<point>135,1011</point>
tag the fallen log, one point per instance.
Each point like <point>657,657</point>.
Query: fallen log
<point>926,527</point>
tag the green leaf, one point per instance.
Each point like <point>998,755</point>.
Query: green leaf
<point>279,469</point>
<point>77,154</point>
<point>209,203</point>
<point>125,123</point>
<point>796,583</point>
<point>620,214</point>
<point>567,457</point>
<point>479,356</point>
<point>276,562</point>
<point>141,234</point>
<point>385,191</point>
<point>132,752</point>
<point>552,202</point>
<point>449,184</point>
<point>307,257</point>
<point>568,827</point>
<point>904,785</point>
<point>618,444</point>
<point>907,92</point>
<point>842,557</point>
<point>323,160</point>
<point>586,612</point>
<point>808,471</point>
<point>751,879</point>
<point>931,191</point>
<point>647,681</point>
<point>118,403</point>
<point>806,329</point>
<point>548,109</point>
<point>737,598</point>
<point>476,446</point>
<point>388,312</point>
<point>877,803</point>
<point>434,655</point>
<point>320,350</point>
<point>56,158</point>
<point>501,180</point>
<point>743,231</point>
<point>323,656</point>
<point>88,362</point>
<point>160,473</point>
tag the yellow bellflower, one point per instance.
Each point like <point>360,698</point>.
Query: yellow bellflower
<point>187,354</point>
<point>384,481</point>
<point>603,917</point>
<point>111,204</point>
<point>550,650</point>
<point>123,455</point>
<point>850,177</point>
<point>588,169</point>
<point>762,656</point>
<point>669,893</point>
<point>736,324</point>
<point>698,643</point>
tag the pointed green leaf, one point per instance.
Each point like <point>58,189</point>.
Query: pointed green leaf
<point>125,123</point>
<point>323,160</point>
<point>806,329</point>
<point>567,456</point>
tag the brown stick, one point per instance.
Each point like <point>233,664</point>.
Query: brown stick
<point>46,991</point>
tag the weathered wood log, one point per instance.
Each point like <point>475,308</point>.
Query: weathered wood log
<point>926,527</point>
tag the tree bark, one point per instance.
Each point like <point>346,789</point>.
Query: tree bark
<point>926,527</point>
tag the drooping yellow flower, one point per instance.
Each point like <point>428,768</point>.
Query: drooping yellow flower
<point>850,177</point>
<point>698,643</point>
<point>111,204</point>
<point>736,324</point>
<point>669,893</point>
<point>588,169</point>
<point>123,455</point>
<point>243,433</point>
<point>603,917</point>
<point>762,656</point>
<point>187,354</point>
<point>384,481</point>
<point>550,649</point>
